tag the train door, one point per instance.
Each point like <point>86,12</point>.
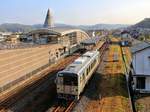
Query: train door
<point>66,84</point>
<point>60,83</point>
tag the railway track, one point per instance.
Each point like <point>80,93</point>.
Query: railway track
<point>12,99</point>
<point>68,108</point>
<point>54,70</point>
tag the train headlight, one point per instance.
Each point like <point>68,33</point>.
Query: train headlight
<point>76,89</point>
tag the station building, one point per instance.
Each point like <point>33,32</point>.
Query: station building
<point>66,36</point>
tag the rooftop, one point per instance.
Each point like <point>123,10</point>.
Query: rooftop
<point>92,41</point>
<point>80,62</point>
<point>57,30</point>
<point>139,47</point>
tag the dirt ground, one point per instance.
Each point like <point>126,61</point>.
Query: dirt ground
<point>142,103</point>
<point>107,90</point>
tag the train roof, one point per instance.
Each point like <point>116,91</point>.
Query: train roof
<point>76,66</point>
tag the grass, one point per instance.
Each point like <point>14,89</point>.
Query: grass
<point>112,85</point>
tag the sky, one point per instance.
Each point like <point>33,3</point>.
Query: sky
<point>75,12</point>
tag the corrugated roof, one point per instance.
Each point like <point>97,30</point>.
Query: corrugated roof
<point>58,30</point>
<point>61,29</point>
<point>139,47</point>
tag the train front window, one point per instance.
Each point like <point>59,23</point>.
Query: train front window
<point>70,80</point>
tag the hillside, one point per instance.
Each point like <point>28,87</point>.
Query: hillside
<point>14,27</point>
<point>102,26</point>
<point>143,24</point>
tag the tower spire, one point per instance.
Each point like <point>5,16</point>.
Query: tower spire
<point>48,20</point>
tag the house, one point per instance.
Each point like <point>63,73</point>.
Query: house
<point>4,35</point>
<point>141,67</point>
<point>1,37</point>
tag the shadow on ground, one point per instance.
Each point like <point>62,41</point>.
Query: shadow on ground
<point>106,86</point>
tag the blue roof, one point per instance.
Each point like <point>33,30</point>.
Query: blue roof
<point>139,47</point>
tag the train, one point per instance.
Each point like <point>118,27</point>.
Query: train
<point>71,81</point>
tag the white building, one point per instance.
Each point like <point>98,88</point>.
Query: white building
<point>4,35</point>
<point>141,67</point>
<point>1,37</point>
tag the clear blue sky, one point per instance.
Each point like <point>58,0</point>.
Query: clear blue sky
<point>74,12</point>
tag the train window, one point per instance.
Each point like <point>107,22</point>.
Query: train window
<point>84,75</point>
<point>87,72</point>
<point>60,75</point>
<point>59,80</point>
<point>70,80</point>
<point>80,79</point>
<point>91,67</point>
<point>88,69</point>
<point>94,61</point>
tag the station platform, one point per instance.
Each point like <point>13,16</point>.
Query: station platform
<point>17,65</point>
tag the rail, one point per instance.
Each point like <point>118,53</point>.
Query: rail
<point>67,108</point>
<point>126,73</point>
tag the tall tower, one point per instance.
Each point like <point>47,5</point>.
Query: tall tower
<point>48,20</point>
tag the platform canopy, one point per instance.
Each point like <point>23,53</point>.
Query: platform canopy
<point>92,40</point>
<point>57,31</point>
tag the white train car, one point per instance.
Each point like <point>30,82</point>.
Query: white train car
<point>72,80</point>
